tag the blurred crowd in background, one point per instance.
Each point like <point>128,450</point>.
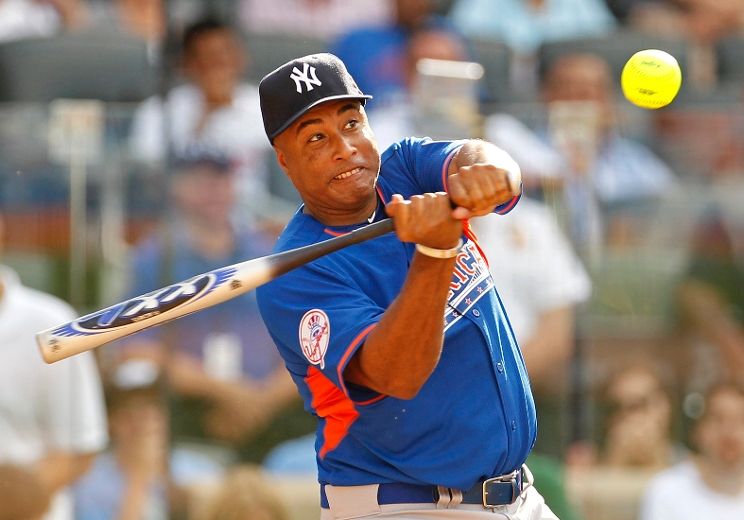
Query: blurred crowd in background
<point>132,156</point>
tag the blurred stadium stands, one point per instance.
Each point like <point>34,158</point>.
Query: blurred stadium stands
<point>87,65</point>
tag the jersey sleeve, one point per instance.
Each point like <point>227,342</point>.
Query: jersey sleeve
<point>319,318</point>
<point>424,164</point>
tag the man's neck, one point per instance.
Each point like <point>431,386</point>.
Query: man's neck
<point>367,213</point>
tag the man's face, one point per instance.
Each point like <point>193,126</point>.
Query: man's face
<point>720,433</point>
<point>331,157</point>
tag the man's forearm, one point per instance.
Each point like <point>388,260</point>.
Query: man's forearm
<point>400,354</point>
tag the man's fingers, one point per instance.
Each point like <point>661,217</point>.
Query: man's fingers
<point>392,208</point>
<point>460,213</point>
<point>480,188</point>
<point>427,219</point>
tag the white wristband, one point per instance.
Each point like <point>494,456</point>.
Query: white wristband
<point>439,253</point>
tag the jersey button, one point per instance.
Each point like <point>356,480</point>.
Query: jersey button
<point>500,366</point>
<point>476,313</point>
<point>514,425</point>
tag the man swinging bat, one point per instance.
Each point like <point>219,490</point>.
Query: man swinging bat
<point>414,375</point>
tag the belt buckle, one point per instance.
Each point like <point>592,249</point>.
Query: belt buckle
<point>508,478</point>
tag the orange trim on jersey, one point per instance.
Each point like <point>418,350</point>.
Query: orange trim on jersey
<point>445,168</point>
<point>510,205</point>
<point>372,401</point>
<point>380,194</point>
<point>333,405</point>
<point>349,351</point>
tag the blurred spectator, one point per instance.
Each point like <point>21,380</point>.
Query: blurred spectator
<point>710,483</point>
<point>525,24</point>
<point>52,419</point>
<point>131,481</point>
<point>710,293</point>
<point>37,18</point>
<point>400,117</point>
<point>541,281</point>
<point>145,19</point>
<point>375,55</point>
<point>22,495</point>
<point>323,19</point>
<point>226,375</point>
<point>213,108</point>
<point>243,494</point>
<point>610,184</point>
<point>637,442</point>
<point>703,21</point>
<point>639,422</point>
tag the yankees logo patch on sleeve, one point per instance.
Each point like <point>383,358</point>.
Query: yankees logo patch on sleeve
<point>315,334</point>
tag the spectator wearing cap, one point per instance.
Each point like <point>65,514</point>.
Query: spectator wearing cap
<point>227,380</point>
<point>131,479</point>
<point>214,108</point>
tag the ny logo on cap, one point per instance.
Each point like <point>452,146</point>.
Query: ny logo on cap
<point>307,76</point>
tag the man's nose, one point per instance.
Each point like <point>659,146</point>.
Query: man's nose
<point>344,148</point>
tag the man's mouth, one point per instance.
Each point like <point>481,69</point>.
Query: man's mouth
<point>347,174</point>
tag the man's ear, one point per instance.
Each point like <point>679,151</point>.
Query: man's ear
<point>281,159</point>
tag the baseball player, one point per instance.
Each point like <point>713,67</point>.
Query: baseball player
<point>399,345</point>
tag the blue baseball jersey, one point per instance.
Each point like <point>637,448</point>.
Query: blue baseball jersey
<point>473,418</point>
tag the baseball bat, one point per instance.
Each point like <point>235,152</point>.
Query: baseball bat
<point>180,299</point>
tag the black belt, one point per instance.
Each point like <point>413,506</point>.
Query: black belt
<point>492,492</point>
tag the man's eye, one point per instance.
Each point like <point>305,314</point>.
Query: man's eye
<point>352,124</point>
<point>315,138</point>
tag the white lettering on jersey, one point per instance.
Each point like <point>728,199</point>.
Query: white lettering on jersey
<point>315,335</point>
<point>471,280</point>
<point>307,76</point>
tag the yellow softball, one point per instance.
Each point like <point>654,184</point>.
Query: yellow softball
<point>651,78</point>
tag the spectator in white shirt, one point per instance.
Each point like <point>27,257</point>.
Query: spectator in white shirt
<point>52,418</point>
<point>214,108</point>
<point>711,483</point>
<point>321,19</point>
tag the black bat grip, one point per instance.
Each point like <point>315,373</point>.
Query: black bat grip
<point>288,260</point>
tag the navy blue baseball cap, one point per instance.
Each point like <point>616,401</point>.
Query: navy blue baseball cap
<point>301,84</point>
